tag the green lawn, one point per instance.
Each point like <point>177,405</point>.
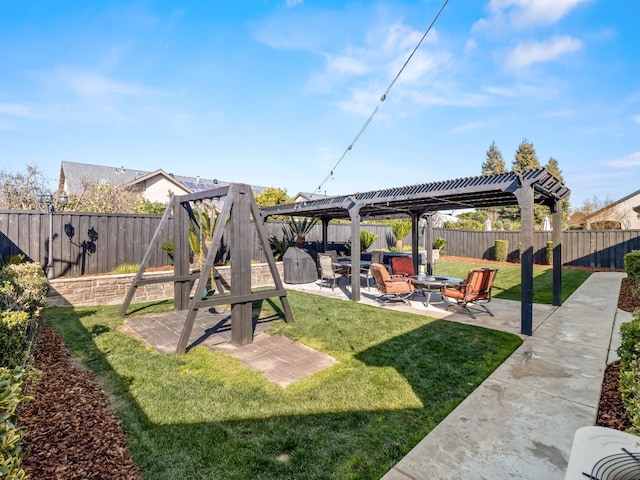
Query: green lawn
<point>205,415</point>
<point>507,283</point>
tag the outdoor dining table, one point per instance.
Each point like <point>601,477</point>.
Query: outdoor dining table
<point>347,264</point>
<point>429,284</point>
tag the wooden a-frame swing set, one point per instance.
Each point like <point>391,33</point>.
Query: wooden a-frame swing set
<point>237,211</point>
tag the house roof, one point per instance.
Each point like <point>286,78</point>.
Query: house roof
<point>75,174</point>
<point>306,196</point>
<point>613,204</point>
<point>471,192</point>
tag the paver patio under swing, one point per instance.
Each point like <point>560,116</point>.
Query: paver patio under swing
<point>202,319</point>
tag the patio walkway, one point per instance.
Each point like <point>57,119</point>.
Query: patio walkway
<point>521,421</point>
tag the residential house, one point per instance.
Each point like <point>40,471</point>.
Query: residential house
<point>622,214</point>
<point>156,186</point>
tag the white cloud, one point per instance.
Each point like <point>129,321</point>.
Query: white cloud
<point>466,127</point>
<point>535,52</point>
<point>631,160</point>
<point>17,110</point>
<point>88,84</point>
<point>346,65</point>
<point>518,14</point>
<point>636,119</point>
<point>294,3</point>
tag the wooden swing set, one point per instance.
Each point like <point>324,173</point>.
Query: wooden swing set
<point>238,210</point>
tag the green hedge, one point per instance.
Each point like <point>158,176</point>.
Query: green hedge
<point>632,267</point>
<point>23,295</point>
<point>549,252</point>
<point>629,352</point>
<point>11,384</point>
<point>501,250</point>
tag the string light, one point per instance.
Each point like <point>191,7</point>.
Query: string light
<point>382,98</point>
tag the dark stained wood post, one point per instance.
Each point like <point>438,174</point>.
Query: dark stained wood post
<point>556,236</point>
<point>241,320</point>
<point>325,236</point>
<point>181,254</point>
<point>415,219</point>
<point>524,194</point>
<point>429,242</point>
<point>354,213</point>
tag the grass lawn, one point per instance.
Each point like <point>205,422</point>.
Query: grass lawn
<point>507,282</point>
<point>205,415</point>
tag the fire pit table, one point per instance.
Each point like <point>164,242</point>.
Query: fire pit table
<point>429,284</point>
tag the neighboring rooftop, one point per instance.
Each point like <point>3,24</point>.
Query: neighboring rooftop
<point>74,175</point>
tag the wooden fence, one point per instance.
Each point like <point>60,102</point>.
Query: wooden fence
<point>85,243</point>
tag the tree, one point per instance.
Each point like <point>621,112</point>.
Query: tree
<point>494,162</point>
<point>106,198</point>
<point>526,158</point>
<point>20,190</point>
<point>272,196</point>
<point>554,169</point>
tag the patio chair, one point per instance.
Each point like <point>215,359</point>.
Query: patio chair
<point>474,293</point>
<point>402,266</point>
<point>391,287</point>
<point>329,272</point>
<point>376,257</point>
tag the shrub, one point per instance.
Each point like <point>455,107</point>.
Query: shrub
<point>628,351</point>
<point>366,240</point>
<point>549,252</point>
<point>126,268</point>
<point>439,243</point>
<point>16,331</point>
<point>23,287</point>
<point>632,267</point>
<point>400,229</point>
<point>11,397</point>
<point>501,250</point>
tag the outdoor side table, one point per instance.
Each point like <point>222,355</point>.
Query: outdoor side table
<point>429,284</point>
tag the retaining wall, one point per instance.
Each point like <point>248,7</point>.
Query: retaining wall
<point>112,289</point>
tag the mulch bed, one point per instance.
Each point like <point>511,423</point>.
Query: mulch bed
<point>611,411</point>
<point>72,432</point>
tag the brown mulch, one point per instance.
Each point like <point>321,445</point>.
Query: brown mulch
<point>611,411</point>
<point>71,430</point>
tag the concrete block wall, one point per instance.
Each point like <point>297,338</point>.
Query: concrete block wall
<point>112,289</point>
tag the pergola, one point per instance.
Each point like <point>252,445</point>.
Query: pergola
<point>523,189</point>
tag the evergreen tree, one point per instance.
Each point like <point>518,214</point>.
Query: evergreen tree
<point>554,169</point>
<point>494,162</point>
<point>526,158</point>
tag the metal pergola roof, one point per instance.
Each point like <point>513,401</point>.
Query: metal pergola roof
<point>471,192</point>
<point>523,189</point>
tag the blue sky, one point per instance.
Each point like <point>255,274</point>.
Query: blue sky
<point>272,93</point>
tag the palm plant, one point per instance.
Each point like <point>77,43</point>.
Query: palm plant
<point>400,229</point>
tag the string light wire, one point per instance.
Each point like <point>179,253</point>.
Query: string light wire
<point>382,98</point>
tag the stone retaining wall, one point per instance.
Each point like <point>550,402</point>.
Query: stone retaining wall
<point>112,289</point>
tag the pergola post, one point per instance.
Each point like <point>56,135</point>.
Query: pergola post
<point>354,214</point>
<point>429,241</point>
<point>556,236</point>
<point>525,196</point>
<point>325,236</point>
<point>415,235</point>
